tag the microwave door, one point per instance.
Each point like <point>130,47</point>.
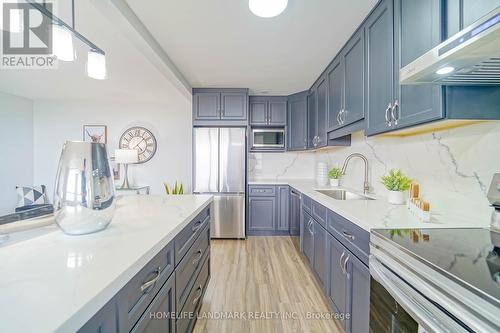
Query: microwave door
<point>206,160</point>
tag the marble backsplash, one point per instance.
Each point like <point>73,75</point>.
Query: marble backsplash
<point>454,166</point>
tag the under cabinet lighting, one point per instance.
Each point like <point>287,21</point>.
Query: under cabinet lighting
<point>267,8</point>
<point>445,70</point>
<point>96,65</point>
<point>62,43</point>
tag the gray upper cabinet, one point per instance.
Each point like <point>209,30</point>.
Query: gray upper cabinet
<point>379,67</point>
<point>261,213</point>
<point>211,105</point>
<point>312,119</point>
<point>417,30</point>
<point>321,105</point>
<point>461,13</point>
<point>268,110</point>
<point>234,106</point>
<point>297,121</point>
<point>346,84</point>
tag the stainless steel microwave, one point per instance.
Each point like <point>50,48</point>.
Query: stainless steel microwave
<point>267,139</point>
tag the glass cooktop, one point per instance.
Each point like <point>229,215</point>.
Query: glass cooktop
<point>471,255</point>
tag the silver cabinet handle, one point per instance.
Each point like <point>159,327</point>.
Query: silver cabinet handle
<point>342,116</point>
<point>151,282</point>
<point>196,226</point>
<point>338,117</point>
<point>310,226</point>
<point>394,111</point>
<point>340,262</point>
<point>345,267</point>
<point>387,115</point>
<point>200,291</point>
<point>348,235</point>
<point>195,261</point>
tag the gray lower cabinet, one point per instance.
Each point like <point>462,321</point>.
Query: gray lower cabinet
<point>166,293</point>
<point>359,304</point>
<point>297,121</point>
<point>320,253</point>
<point>268,110</point>
<point>307,234</point>
<point>211,105</point>
<point>337,284</point>
<point>283,208</point>
<point>294,213</point>
<point>261,214</point>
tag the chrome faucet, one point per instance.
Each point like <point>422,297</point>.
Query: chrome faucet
<point>366,186</point>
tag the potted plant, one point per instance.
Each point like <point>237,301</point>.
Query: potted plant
<point>334,174</point>
<point>175,190</point>
<point>397,183</point>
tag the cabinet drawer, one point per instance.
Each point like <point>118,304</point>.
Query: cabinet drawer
<point>306,204</point>
<point>319,213</point>
<point>188,235</point>
<point>187,270</point>
<point>353,237</point>
<point>187,316</point>
<point>266,190</point>
<point>138,293</point>
<point>163,306</point>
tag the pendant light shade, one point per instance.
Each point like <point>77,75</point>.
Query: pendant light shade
<point>267,8</point>
<point>62,43</point>
<point>96,65</point>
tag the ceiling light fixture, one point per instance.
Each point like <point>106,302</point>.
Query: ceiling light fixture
<point>267,8</point>
<point>445,70</point>
<point>62,43</point>
<point>96,65</point>
<point>63,34</point>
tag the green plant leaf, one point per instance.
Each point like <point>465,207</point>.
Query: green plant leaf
<point>167,189</point>
<point>396,180</point>
<point>335,173</point>
<point>181,189</point>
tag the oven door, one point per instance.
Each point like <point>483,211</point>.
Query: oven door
<point>397,307</point>
<point>268,138</point>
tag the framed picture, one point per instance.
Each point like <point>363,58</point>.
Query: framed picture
<point>95,133</point>
<point>115,168</point>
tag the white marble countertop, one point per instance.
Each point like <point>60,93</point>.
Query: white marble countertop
<point>373,214</point>
<point>56,282</point>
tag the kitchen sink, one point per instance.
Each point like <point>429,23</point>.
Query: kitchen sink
<point>344,195</point>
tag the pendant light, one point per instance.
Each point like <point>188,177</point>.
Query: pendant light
<point>62,43</point>
<point>267,8</point>
<point>96,65</point>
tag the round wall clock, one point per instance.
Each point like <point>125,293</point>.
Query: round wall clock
<point>141,139</point>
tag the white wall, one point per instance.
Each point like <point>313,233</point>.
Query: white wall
<point>16,153</point>
<point>170,121</point>
<point>454,167</point>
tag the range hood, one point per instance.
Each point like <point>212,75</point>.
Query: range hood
<point>470,57</point>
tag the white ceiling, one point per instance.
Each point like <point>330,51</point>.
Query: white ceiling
<point>220,43</point>
<point>131,76</point>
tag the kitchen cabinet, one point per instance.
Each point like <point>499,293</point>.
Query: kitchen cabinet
<point>317,114</point>
<point>103,321</point>
<point>262,214</point>
<point>346,84</point>
<point>283,208</point>
<point>320,253</point>
<point>462,13</point>
<point>214,106</point>
<point>359,304</point>
<point>268,110</point>
<point>294,213</point>
<point>308,237</point>
<point>312,119</point>
<point>297,121</point>
<point>337,284</point>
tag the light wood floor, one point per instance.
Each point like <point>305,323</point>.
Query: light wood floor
<point>261,277</point>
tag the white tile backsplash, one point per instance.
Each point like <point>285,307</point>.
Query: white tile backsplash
<point>454,167</point>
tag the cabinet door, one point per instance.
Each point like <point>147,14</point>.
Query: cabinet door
<point>283,208</point>
<point>417,30</point>
<point>294,213</point>
<point>379,67</point>
<point>335,78</point>
<point>359,295</point>
<point>258,112</point>
<point>262,213</point>
<point>337,284</point>
<point>297,122</point>
<point>162,305</point>
<point>320,252</point>
<point>103,321</point>
<point>312,119</point>
<point>277,112</point>
<point>207,106</point>
<point>322,105</point>
<point>234,106</point>
<point>307,237</point>
<point>354,73</point>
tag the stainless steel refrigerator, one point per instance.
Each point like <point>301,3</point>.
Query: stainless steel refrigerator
<point>219,169</point>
